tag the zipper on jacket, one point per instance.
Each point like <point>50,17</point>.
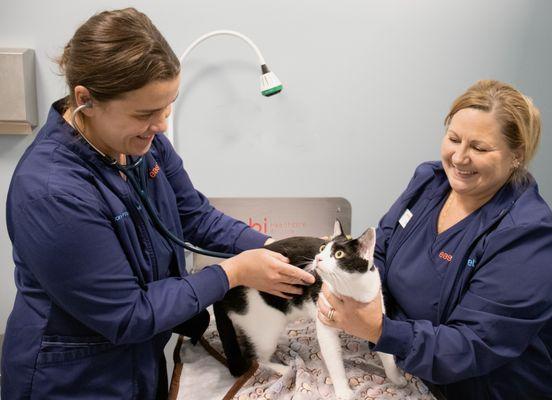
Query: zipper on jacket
<point>140,220</point>
<point>150,247</point>
<point>134,204</point>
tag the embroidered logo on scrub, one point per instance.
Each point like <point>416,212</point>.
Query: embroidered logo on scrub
<point>121,216</point>
<point>445,256</point>
<point>448,257</point>
<point>154,171</point>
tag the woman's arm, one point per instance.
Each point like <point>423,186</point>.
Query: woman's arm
<point>204,225</point>
<point>201,223</point>
<point>68,248</point>
<point>508,302</point>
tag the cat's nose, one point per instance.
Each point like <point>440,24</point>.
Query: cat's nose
<point>317,258</point>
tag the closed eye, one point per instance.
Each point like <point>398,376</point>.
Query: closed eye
<point>144,117</point>
<point>454,140</point>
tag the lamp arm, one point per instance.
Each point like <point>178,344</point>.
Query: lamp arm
<point>264,68</point>
<point>223,32</point>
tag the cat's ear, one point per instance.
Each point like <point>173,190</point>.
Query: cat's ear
<point>338,229</point>
<point>367,243</point>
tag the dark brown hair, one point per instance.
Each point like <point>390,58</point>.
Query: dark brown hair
<point>115,52</point>
<point>518,118</point>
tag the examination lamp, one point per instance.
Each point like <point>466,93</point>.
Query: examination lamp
<point>270,84</point>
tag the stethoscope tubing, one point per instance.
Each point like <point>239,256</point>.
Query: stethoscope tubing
<point>143,195</point>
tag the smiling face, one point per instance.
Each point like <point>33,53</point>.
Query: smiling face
<point>475,155</point>
<point>127,125</point>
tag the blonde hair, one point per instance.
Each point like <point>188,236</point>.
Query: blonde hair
<point>115,52</point>
<point>518,118</point>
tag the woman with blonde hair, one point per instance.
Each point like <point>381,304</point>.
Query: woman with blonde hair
<point>465,255</point>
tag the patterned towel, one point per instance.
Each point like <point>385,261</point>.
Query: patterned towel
<point>308,378</point>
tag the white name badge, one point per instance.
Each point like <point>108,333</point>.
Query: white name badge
<point>407,215</point>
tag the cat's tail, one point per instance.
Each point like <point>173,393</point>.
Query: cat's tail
<point>237,363</point>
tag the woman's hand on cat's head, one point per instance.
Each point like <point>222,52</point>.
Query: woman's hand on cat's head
<point>267,271</point>
<point>363,320</point>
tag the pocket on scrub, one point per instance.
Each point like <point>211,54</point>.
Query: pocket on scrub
<point>84,368</point>
<point>55,349</point>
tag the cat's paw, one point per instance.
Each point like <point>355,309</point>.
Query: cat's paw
<point>344,393</point>
<point>398,379</point>
<point>279,368</point>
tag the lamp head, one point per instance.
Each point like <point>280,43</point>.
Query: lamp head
<point>270,84</point>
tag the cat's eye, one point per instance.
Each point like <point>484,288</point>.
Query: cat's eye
<point>322,248</point>
<point>339,254</point>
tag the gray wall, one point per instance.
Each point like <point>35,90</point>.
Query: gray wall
<point>367,84</point>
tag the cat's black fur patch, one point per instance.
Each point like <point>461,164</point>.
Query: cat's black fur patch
<point>238,362</point>
<point>354,263</point>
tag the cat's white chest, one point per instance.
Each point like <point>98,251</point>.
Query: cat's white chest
<point>308,310</point>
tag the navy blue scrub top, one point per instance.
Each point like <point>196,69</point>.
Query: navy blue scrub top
<point>417,271</point>
<point>161,254</point>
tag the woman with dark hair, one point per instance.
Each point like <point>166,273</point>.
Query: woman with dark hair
<point>99,287</point>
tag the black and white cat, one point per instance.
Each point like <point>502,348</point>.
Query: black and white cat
<point>344,264</point>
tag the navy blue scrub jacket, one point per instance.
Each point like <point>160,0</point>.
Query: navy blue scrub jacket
<point>93,309</point>
<point>493,336</point>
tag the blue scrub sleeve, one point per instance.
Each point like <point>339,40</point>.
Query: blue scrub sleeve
<point>72,251</point>
<point>508,302</point>
<point>202,224</point>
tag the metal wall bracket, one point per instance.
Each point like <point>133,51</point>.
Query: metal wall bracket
<point>18,106</point>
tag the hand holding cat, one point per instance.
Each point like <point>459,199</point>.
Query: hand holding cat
<point>267,271</point>
<point>363,320</point>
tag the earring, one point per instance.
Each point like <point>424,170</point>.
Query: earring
<point>516,163</point>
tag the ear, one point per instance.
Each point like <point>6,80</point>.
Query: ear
<point>367,242</point>
<point>82,96</point>
<point>518,158</point>
<point>338,229</point>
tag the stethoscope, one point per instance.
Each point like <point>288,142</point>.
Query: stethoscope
<point>135,174</point>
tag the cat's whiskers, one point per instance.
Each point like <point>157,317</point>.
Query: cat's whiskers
<point>307,265</point>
